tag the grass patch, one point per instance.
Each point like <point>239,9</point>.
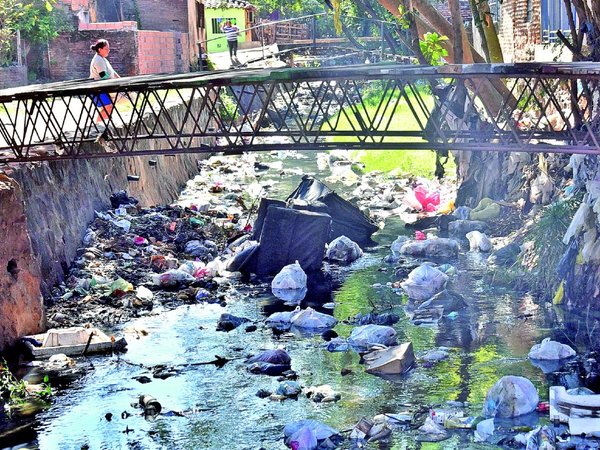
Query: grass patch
<point>396,117</point>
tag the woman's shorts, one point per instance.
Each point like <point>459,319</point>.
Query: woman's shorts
<point>102,100</point>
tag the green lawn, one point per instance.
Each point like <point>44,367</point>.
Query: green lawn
<point>415,162</point>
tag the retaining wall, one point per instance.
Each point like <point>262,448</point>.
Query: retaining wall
<point>46,208</point>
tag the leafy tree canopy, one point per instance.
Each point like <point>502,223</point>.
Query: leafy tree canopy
<point>289,9</point>
<point>38,20</point>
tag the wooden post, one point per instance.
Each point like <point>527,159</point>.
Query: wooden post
<point>19,53</point>
<point>382,31</point>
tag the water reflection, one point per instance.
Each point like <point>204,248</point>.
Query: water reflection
<point>488,339</point>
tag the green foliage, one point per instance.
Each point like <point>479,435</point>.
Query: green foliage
<point>227,107</point>
<point>38,20</point>
<point>287,8</point>
<point>546,234</point>
<point>403,18</point>
<point>432,48</point>
<point>14,392</point>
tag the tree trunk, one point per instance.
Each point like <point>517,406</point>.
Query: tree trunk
<point>457,27</point>
<point>491,36</point>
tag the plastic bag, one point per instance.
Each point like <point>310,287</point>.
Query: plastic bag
<point>549,350</point>
<point>429,200</point>
<point>283,318</point>
<point>344,250</point>
<point>318,429</point>
<point>172,278</point>
<point>363,337</point>
<point>120,287</point>
<point>290,277</point>
<point>424,282</point>
<point>478,241</point>
<point>398,243</point>
<point>484,430</point>
<point>311,319</point>
<point>420,236</point>
<point>431,247</point>
<point>511,396</point>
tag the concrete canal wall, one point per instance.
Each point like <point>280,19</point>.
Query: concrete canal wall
<point>45,209</point>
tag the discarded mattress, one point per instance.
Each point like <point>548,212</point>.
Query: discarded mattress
<point>72,342</point>
<point>347,219</point>
<point>288,235</point>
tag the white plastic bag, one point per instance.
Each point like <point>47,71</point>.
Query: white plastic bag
<point>479,242</point>
<point>363,337</point>
<point>424,282</point>
<point>311,319</point>
<point>550,350</point>
<point>290,277</point>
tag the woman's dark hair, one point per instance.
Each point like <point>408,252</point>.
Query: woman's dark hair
<point>100,43</point>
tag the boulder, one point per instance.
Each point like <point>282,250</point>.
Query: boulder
<point>505,256</point>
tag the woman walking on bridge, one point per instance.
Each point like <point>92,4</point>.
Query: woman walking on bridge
<point>100,69</point>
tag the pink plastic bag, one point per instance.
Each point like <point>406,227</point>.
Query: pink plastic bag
<point>428,200</point>
<point>139,240</point>
<point>420,236</point>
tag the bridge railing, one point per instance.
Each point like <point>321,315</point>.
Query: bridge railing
<point>381,39</point>
<point>517,108</point>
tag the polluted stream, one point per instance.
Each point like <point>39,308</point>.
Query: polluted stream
<point>205,406</point>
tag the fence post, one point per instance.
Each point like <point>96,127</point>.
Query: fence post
<point>262,41</point>
<point>382,29</point>
<point>314,30</point>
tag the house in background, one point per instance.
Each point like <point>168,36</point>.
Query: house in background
<point>145,36</point>
<point>241,13</point>
<point>527,29</point>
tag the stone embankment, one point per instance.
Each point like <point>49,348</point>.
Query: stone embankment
<point>46,208</point>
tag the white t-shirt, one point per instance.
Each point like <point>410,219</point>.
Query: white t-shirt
<point>100,64</point>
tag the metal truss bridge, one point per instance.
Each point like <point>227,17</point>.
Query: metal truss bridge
<point>481,107</point>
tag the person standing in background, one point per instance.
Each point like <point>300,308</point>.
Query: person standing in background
<point>231,33</point>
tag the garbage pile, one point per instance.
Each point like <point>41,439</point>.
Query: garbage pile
<point>137,259</point>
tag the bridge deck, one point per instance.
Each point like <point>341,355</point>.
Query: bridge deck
<point>501,107</point>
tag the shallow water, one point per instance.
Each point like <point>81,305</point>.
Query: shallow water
<point>221,411</point>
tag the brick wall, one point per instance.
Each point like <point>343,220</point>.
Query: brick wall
<point>108,26</point>
<point>158,15</point>
<point>70,54</point>
<point>162,52</point>
<point>13,76</point>
<point>131,53</point>
<point>518,36</point>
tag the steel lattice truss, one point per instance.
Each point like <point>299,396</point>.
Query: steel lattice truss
<point>528,107</point>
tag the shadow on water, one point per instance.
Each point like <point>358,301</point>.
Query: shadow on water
<point>219,408</point>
